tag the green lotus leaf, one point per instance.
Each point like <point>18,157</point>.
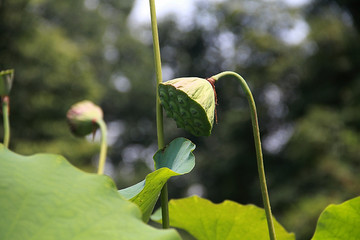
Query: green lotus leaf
<point>190,101</point>
<point>227,220</point>
<point>176,159</point>
<point>339,222</point>
<point>44,197</point>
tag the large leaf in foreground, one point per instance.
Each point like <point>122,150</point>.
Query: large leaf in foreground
<point>176,159</point>
<point>44,197</point>
<point>339,222</point>
<point>228,220</point>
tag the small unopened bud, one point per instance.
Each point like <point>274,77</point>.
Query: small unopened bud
<point>6,80</point>
<point>82,118</point>
<point>190,102</point>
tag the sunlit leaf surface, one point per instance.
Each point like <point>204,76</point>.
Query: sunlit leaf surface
<point>228,220</point>
<point>338,222</point>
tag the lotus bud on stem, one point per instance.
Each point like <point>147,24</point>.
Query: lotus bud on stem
<point>84,118</point>
<point>6,80</point>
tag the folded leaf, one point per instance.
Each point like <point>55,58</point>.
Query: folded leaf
<point>228,220</point>
<point>339,222</point>
<point>44,197</point>
<point>176,159</point>
<point>177,156</point>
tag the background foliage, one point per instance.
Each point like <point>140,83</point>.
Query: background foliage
<point>307,91</point>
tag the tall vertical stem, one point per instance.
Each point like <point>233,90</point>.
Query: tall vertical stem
<point>159,111</point>
<point>259,155</point>
<point>5,109</point>
<point>103,146</point>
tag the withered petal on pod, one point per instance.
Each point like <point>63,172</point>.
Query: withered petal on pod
<point>82,118</point>
<point>190,101</point>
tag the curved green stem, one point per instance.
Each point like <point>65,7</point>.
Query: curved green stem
<point>5,109</point>
<point>159,111</point>
<point>103,146</point>
<point>259,156</point>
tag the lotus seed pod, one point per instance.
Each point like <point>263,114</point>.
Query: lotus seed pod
<point>6,80</point>
<point>190,102</point>
<point>82,118</point>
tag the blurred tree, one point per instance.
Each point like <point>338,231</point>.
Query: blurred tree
<point>323,149</point>
<point>67,51</point>
<point>50,75</point>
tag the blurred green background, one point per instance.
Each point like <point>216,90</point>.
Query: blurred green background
<point>300,58</point>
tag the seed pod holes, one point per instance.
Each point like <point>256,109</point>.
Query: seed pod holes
<point>190,102</point>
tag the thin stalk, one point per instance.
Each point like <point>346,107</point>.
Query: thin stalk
<point>259,155</point>
<point>5,110</point>
<point>103,146</point>
<point>159,111</point>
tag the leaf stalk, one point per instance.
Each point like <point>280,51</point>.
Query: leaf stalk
<point>5,109</point>
<point>259,155</point>
<point>103,146</point>
<point>159,111</point>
